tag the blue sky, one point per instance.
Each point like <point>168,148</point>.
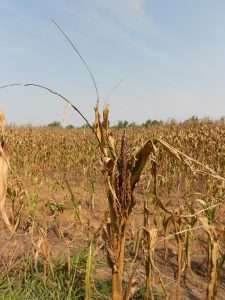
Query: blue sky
<point>169,54</point>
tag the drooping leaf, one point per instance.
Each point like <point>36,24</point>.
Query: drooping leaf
<point>141,158</point>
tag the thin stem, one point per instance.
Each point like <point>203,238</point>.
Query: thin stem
<point>80,56</point>
<point>10,85</point>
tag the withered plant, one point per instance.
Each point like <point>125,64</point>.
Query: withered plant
<point>4,168</point>
<point>122,170</point>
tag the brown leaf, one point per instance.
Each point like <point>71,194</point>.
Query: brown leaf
<point>105,123</point>
<point>141,158</point>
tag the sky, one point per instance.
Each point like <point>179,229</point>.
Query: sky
<point>152,59</point>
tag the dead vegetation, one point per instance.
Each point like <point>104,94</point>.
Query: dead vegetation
<point>152,238</point>
<point>4,168</point>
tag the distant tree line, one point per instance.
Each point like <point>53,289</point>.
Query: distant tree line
<point>149,123</point>
<point>57,124</point>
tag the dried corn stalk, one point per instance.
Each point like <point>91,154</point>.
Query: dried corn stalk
<point>122,170</point>
<point>4,167</point>
<point>2,121</point>
<point>215,258</point>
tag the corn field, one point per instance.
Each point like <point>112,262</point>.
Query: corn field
<point>118,214</point>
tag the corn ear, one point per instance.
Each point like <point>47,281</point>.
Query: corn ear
<point>140,160</point>
<point>105,123</point>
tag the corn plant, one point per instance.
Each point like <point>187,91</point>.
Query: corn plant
<point>122,170</point>
<point>4,167</point>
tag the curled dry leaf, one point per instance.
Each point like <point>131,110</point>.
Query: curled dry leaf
<point>2,120</point>
<point>140,159</point>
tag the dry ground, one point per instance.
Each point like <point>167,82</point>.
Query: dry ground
<point>67,234</point>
